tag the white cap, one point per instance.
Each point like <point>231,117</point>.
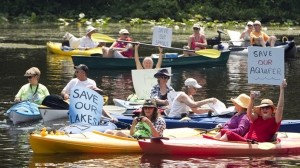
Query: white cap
<point>90,29</point>
<point>123,31</point>
<point>250,23</point>
<point>257,22</point>
<point>196,25</point>
<point>192,82</point>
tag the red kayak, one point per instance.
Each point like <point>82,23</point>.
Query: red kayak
<point>287,143</point>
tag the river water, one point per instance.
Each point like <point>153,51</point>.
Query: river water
<point>23,46</point>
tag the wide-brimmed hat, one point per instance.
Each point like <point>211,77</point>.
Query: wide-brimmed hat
<point>33,71</point>
<point>196,25</point>
<point>149,103</point>
<point>250,23</point>
<point>82,67</point>
<point>162,72</point>
<point>90,29</point>
<point>123,31</point>
<point>242,100</point>
<point>257,23</point>
<point>264,103</point>
<point>192,82</point>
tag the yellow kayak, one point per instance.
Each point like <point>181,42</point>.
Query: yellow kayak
<point>94,142</point>
<point>55,48</point>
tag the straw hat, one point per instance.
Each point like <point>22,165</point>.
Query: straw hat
<point>33,71</point>
<point>242,100</point>
<point>264,103</point>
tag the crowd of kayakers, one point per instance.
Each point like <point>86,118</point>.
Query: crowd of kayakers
<point>255,123</point>
<point>251,123</point>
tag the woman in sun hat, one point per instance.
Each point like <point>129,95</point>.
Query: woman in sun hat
<point>265,119</point>
<point>148,124</point>
<point>120,48</point>
<point>184,101</point>
<point>196,41</point>
<point>33,90</point>
<point>160,91</point>
<point>86,41</point>
<point>239,123</point>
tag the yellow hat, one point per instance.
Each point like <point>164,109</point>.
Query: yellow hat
<point>264,103</point>
<point>242,100</point>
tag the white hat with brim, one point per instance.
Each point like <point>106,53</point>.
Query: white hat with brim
<point>90,29</point>
<point>33,71</point>
<point>196,25</point>
<point>250,23</point>
<point>257,23</point>
<point>123,31</point>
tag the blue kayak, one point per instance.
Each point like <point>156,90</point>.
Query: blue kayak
<point>205,122</point>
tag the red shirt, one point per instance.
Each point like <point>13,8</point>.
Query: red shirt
<point>262,130</point>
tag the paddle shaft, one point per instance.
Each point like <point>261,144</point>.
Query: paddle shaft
<point>174,48</point>
<point>120,122</point>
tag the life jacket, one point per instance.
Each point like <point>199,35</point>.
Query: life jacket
<point>193,45</point>
<point>120,44</point>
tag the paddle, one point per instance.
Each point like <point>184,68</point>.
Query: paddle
<point>102,38</point>
<point>211,53</point>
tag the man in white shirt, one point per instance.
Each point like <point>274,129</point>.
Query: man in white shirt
<point>81,72</point>
<point>184,101</point>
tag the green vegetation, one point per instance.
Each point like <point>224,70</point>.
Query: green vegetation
<point>211,13</point>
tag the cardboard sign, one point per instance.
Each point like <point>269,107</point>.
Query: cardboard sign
<point>162,36</point>
<point>85,106</point>
<point>265,65</point>
<point>143,81</point>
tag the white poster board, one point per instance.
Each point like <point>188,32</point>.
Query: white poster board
<point>265,65</point>
<point>85,106</point>
<point>162,36</point>
<point>143,81</point>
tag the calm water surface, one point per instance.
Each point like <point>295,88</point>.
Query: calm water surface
<point>23,46</point>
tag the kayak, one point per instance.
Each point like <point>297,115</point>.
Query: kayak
<point>56,48</point>
<point>207,121</point>
<point>287,143</point>
<point>50,114</point>
<point>117,63</point>
<point>290,50</point>
<point>22,112</point>
<point>93,142</point>
<point>78,128</point>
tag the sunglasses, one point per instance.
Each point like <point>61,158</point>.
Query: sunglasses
<point>256,25</point>
<point>249,25</point>
<point>164,77</point>
<point>266,107</point>
<point>29,77</point>
<point>147,108</point>
<point>195,28</point>
<point>126,34</point>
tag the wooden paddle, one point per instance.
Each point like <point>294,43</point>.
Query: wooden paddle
<point>102,38</point>
<point>211,53</point>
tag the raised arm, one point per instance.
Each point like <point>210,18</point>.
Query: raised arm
<point>251,116</point>
<point>136,57</point>
<point>159,62</point>
<point>280,104</point>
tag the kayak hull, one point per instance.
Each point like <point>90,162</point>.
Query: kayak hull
<point>199,146</point>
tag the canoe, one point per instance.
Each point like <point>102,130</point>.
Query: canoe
<point>23,112</point>
<point>207,121</point>
<point>290,49</point>
<point>50,114</point>
<point>98,62</point>
<point>56,48</point>
<point>288,143</point>
<point>93,142</point>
